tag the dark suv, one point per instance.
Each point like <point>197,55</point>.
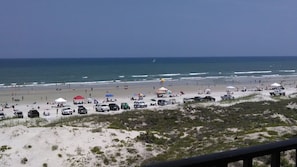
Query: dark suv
<point>162,102</point>
<point>113,107</point>
<point>33,113</point>
<point>82,110</point>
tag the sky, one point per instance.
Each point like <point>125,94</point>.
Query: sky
<point>147,28</point>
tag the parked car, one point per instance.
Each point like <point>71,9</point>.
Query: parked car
<point>82,110</point>
<point>208,98</point>
<point>227,97</point>
<point>102,107</point>
<point>198,98</point>
<point>172,101</point>
<point>188,100</point>
<point>162,102</point>
<point>113,107</point>
<point>66,111</point>
<point>125,106</point>
<point>33,114</point>
<point>278,92</point>
<point>18,114</point>
<point>140,104</point>
<point>2,115</point>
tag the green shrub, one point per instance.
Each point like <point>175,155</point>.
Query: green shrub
<point>96,150</point>
<point>54,147</point>
<point>24,160</point>
<point>151,138</point>
<point>4,148</point>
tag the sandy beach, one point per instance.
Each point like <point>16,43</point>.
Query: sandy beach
<point>49,144</point>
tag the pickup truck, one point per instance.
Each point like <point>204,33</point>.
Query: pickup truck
<point>227,97</point>
<point>278,92</point>
<point>140,104</point>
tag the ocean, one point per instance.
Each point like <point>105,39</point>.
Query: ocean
<point>105,70</point>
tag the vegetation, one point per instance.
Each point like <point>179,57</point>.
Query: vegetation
<point>24,160</point>
<point>4,148</point>
<point>54,147</point>
<point>197,130</point>
<point>96,150</point>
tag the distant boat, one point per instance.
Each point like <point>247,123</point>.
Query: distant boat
<point>85,77</point>
<point>154,60</point>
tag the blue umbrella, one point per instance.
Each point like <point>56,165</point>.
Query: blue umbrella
<point>108,95</point>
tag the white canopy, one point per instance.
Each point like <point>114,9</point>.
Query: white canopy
<point>162,90</point>
<point>276,85</point>
<point>230,87</point>
<point>60,100</point>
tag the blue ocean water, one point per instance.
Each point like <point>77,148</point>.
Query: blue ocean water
<point>46,71</point>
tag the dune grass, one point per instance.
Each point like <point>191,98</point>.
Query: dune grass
<point>198,130</point>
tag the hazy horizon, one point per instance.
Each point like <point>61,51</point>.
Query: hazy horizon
<point>105,29</point>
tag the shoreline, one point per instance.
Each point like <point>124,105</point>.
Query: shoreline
<point>124,89</point>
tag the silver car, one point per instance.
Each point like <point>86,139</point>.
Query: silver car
<point>66,111</point>
<point>102,107</point>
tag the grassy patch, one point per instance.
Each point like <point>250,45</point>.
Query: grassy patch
<point>54,147</point>
<point>4,148</point>
<point>96,150</point>
<point>195,130</point>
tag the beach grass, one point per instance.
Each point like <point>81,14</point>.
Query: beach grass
<point>198,130</point>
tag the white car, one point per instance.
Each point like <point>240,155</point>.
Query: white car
<point>140,104</point>
<point>66,111</point>
<point>102,107</point>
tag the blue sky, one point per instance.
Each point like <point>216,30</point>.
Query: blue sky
<point>151,28</point>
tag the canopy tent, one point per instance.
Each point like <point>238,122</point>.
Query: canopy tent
<point>108,95</point>
<point>162,91</point>
<point>230,87</point>
<point>78,99</point>
<point>60,100</point>
<point>207,91</point>
<point>276,85</point>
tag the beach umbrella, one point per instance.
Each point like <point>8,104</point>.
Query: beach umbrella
<point>230,87</point>
<point>275,85</point>
<point>108,95</point>
<point>162,90</point>
<point>207,91</point>
<point>60,100</point>
<point>78,97</point>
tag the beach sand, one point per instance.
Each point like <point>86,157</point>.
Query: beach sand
<point>70,146</point>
